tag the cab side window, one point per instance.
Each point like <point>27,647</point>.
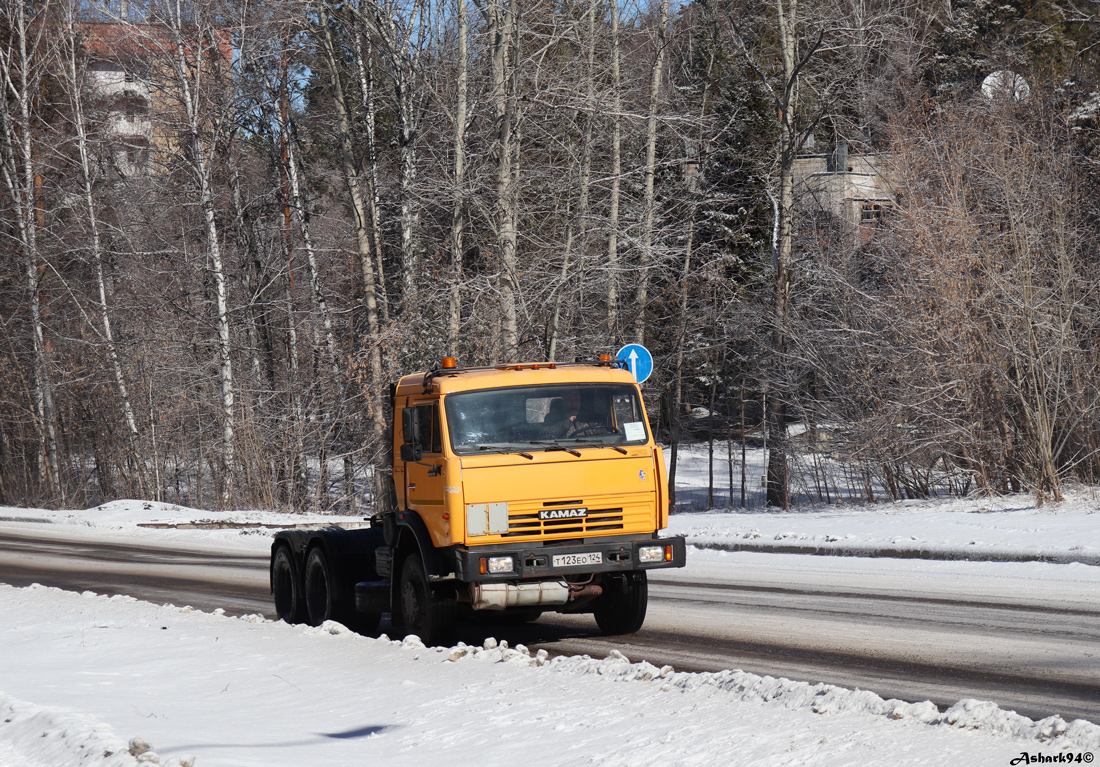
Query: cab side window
<point>431,437</point>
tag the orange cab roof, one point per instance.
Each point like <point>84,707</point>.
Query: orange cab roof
<point>524,374</point>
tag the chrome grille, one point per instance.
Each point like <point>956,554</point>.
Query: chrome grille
<point>524,522</point>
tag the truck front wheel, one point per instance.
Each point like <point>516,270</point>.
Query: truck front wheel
<point>425,612</point>
<point>621,608</point>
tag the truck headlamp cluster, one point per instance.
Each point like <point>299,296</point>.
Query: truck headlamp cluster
<point>651,553</point>
<point>498,565</point>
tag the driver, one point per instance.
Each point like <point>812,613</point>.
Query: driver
<point>562,418</point>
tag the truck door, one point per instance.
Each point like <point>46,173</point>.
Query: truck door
<point>424,480</point>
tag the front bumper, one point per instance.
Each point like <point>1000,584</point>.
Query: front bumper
<point>534,562</point>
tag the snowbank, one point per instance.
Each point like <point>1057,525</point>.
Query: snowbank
<point>211,690</point>
<point>32,735</point>
<point>1008,529</point>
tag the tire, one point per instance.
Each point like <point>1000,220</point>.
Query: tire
<point>320,596</point>
<point>424,611</point>
<point>621,609</point>
<point>286,587</point>
<point>320,602</point>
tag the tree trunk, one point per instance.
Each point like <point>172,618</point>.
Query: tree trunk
<point>366,89</point>
<point>404,53</point>
<point>22,78</point>
<point>362,236</point>
<point>454,313</point>
<point>616,171</point>
<point>134,458</point>
<point>189,64</point>
<point>579,221</point>
<point>293,465</point>
<point>504,32</point>
<point>318,301</point>
<point>777,492</point>
<point>645,259</point>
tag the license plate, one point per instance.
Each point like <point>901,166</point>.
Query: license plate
<point>578,560</point>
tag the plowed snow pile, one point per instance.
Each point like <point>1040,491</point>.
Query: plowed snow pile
<point>208,689</point>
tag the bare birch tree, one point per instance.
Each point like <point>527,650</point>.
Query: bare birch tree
<point>613,320</point>
<point>504,37</point>
<point>352,178</point>
<point>645,258</point>
<point>23,61</point>
<point>800,39</point>
<point>74,85</point>
<point>458,211</point>
<point>196,54</point>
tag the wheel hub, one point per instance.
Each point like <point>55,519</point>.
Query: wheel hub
<point>410,603</point>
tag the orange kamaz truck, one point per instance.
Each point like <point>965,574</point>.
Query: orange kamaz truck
<point>517,488</point>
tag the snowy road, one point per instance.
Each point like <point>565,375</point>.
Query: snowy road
<point>234,580</point>
<point>1023,636</point>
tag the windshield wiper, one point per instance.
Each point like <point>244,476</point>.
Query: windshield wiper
<point>569,450</point>
<point>490,448</point>
<point>599,444</point>
<point>549,445</point>
<point>556,445</point>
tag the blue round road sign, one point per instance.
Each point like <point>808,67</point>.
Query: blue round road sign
<point>638,361</point>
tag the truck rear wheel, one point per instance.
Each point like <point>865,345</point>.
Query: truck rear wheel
<point>621,609</point>
<point>424,611</point>
<point>286,587</point>
<point>320,598</point>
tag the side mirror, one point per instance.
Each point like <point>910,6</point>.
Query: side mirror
<point>410,428</point>
<point>411,453</point>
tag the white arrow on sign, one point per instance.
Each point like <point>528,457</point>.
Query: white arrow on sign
<point>633,357</point>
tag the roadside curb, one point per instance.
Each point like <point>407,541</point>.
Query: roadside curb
<point>956,554</point>
<point>212,525</point>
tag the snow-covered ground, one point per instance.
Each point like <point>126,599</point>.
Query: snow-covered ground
<point>212,690</point>
<point>82,675</point>
<point>1001,529</point>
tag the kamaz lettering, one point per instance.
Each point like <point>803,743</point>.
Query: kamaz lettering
<point>563,514</point>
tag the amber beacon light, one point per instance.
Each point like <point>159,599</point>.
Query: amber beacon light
<point>449,363</point>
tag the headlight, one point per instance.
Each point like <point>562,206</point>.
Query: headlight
<point>651,553</point>
<point>499,565</point>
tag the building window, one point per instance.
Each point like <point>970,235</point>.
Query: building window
<point>104,66</point>
<point>872,212</point>
<point>132,156</point>
<point>133,108</point>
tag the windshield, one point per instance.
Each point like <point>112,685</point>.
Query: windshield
<point>563,416</point>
